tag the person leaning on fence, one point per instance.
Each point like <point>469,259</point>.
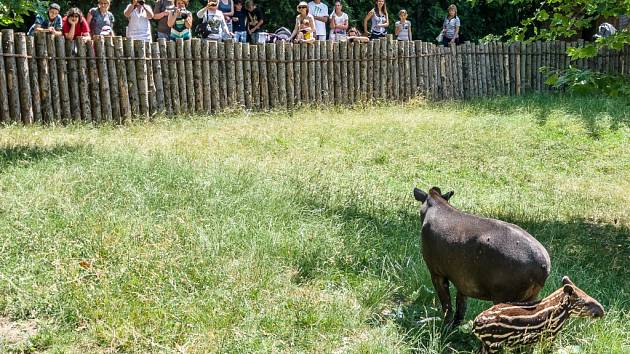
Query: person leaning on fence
<point>255,20</point>
<point>319,11</point>
<point>227,7</point>
<point>379,20</point>
<point>213,22</point>
<point>239,22</point>
<point>75,25</point>
<point>139,15</point>
<point>51,22</point>
<point>338,23</point>
<point>180,21</point>
<point>403,27</point>
<point>304,25</point>
<point>354,35</point>
<point>450,28</point>
<point>100,20</point>
<point>160,13</point>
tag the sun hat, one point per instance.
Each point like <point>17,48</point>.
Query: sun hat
<point>54,6</point>
<point>302,3</point>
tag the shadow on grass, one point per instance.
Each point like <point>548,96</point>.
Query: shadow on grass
<point>24,155</point>
<point>597,113</point>
<point>595,256</point>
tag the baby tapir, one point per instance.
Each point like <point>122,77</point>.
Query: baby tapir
<point>484,258</point>
<point>515,325</point>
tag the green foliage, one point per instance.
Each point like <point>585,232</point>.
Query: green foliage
<point>588,82</point>
<point>12,12</point>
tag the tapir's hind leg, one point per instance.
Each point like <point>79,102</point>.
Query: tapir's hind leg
<point>441,287</point>
<point>460,309</point>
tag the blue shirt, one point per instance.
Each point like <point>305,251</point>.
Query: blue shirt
<point>44,22</point>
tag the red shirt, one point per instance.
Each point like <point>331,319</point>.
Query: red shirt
<point>80,28</point>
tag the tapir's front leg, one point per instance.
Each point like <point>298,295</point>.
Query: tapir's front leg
<point>441,287</point>
<point>461,303</point>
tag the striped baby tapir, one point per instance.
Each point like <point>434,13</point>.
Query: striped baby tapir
<point>513,325</point>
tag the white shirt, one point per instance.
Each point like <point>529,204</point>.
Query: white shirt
<point>320,9</point>
<point>139,26</point>
<point>339,20</point>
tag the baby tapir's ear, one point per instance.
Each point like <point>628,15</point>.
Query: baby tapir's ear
<point>566,280</point>
<point>448,195</point>
<point>419,195</point>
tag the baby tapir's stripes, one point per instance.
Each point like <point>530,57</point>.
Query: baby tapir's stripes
<point>518,324</point>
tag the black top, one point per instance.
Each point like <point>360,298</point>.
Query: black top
<point>239,26</point>
<point>254,17</point>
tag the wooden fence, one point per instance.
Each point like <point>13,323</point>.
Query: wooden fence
<point>113,79</point>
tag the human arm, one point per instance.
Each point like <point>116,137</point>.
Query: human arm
<point>386,23</point>
<point>149,11</point>
<point>344,26</point>
<point>88,18</point>
<point>226,29</point>
<point>229,15</point>
<point>333,24</point>
<point>189,22</point>
<point>397,28</point>
<point>129,8</point>
<point>296,29</point>
<point>72,26</point>
<point>172,16</point>
<point>202,13</point>
<point>159,11</point>
<point>365,21</point>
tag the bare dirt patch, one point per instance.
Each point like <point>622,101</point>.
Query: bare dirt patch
<point>16,332</point>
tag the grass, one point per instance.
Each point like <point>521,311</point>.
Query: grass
<point>298,232</point>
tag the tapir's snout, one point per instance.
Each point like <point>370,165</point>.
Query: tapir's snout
<point>596,310</point>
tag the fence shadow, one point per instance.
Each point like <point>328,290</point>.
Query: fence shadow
<point>23,155</point>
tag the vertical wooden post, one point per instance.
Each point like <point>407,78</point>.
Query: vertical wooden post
<point>84,82</point>
<point>150,78</point>
<point>376,69</point>
<point>103,78</point>
<point>34,77</point>
<point>282,74</point>
<point>317,70</point>
<point>330,72</point>
<point>5,113</point>
<point>205,76</point>
<point>230,73</point>
<point>304,83</point>
<point>393,73</point>
<point>8,47</point>
<point>247,76</point>
<point>158,79</point>
<point>95,96</point>
<point>131,76</point>
<point>217,105</point>
<point>272,74</point>
<point>297,72</point>
<point>383,77</point>
<point>123,83</point>
<point>290,84</point>
<point>62,76</point>
<point>54,78</point>
<point>174,76</point>
<point>166,76</point>
<point>240,79</point>
<point>113,78</point>
<point>223,74</point>
<point>407,54</point>
<point>197,69</point>
<point>26,108</point>
<point>141,77</point>
<point>528,67</point>
<point>180,76</point>
<point>336,80</point>
<point>356,87</point>
<point>188,77</point>
<point>343,75</point>
<point>253,53</point>
<point>413,66</point>
<point>517,68</point>
<point>264,88</point>
<point>364,71</point>
<point>310,56</point>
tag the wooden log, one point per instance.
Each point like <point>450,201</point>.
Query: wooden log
<point>158,78</point>
<point>311,72</point>
<point>189,78</point>
<point>223,74</point>
<point>55,94</point>
<point>264,84</point>
<point>150,78</point>
<point>356,61</point>
<point>376,68</point>
<point>253,52</point>
<point>330,72</point>
<point>240,77</point>
<point>215,95</point>
<point>62,77</point>
<point>502,67</point>
<point>247,76</point>
<point>407,53</point>
<point>323,55</point>
<point>297,72</point>
<point>84,81</point>
<point>459,65</point>
<point>166,76</point>
<point>539,64</point>
<point>95,96</point>
<point>413,68</point>
<point>511,49</point>
<point>132,80</point>
<point>282,74</point>
<point>173,67</point>
<point>394,66</point>
<point>197,72</point>
<point>34,79</point>
<point>384,77</point>
<point>230,73</point>
<point>205,76</point>
<point>304,80</point>
<point>8,47</point>
<point>180,59</point>
<point>364,48</point>
<point>528,67</point>
<point>519,69</point>
<point>317,69</point>
<point>434,72</point>
<point>26,103</point>
<point>421,68</point>
<point>336,80</point>
<point>272,72</point>
<point>370,69</point>
<point>103,79</point>
<point>110,52</point>
<point>343,74</point>
<point>428,58</point>
<point>290,84</point>
<point>470,70</point>
<point>5,112</point>
<point>123,83</point>
<point>141,77</point>
<point>41,49</point>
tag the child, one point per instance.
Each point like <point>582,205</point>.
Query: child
<point>305,34</point>
<point>403,27</point>
<point>239,22</point>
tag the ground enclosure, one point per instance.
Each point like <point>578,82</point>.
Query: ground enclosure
<point>49,79</point>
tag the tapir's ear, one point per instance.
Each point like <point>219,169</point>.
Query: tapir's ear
<point>448,195</point>
<point>420,195</point>
<point>566,281</point>
<point>568,289</point>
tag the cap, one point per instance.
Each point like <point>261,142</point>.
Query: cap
<point>54,6</point>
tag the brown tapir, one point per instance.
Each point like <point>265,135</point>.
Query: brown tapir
<point>484,258</point>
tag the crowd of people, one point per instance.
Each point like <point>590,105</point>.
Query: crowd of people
<point>222,20</point>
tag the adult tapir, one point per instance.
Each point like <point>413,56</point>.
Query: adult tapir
<point>484,258</point>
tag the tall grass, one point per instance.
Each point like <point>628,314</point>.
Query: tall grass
<point>297,232</point>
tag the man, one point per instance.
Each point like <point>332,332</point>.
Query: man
<point>319,10</point>
<point>51,23</point>
<point>160,13</point>
<point>255,20</point>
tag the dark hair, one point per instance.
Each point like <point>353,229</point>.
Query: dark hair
<point>376,10</point>
<point>238,2</point>
<point>74,11</point>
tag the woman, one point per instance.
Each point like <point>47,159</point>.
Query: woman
<point>338,23</point>
<point>180,21</point>
<point>450,28</point>
<point>74,25</point>
<point>380,20</point>
<point>101,21</point>
<point>227,7</point>
<point>354,35</point>
<point>304,29</point>
<point>215,22</point>
<point>139,15</point>
<point>52,23</point>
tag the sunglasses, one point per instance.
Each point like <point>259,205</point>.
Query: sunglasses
<point>302,7</point>
<point>212,4</point>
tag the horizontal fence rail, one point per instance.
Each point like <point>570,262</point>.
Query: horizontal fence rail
<point>47,79</point>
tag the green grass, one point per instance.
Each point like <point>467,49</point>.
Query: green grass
<point>299,232</point>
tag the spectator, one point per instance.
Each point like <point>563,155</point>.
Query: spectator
<point>319,11</point>
<point>450,28</point>
<point>227,7</point>
<point>75,25</point>
<point>354,35</point>
<point>101,21</point>
<point>338,22</point>
<point>51,23</point>
<point>139,15</point>
<point>161,12</point>
<point>379,20</point>
<point>180,21</point>
<point>215,21</point>
<point>304,24</point>
<point>403,27</point>
<point>239,22</point>
<point>255,20</point>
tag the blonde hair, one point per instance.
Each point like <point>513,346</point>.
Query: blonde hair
<point>402,11</point>
<point>452,7</point>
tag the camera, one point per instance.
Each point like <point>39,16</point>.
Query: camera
<point>140,2</point>
<point>184,14</point>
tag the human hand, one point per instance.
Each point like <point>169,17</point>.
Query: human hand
<point>234,19</point>
<point>73,20</point>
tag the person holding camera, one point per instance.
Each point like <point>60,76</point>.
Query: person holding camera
<point>180,21</point>
<point>75,25</point>
<point>213,22</point>
<point>139,15</point>
<point>161,10</point>
<point>51,23</point>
